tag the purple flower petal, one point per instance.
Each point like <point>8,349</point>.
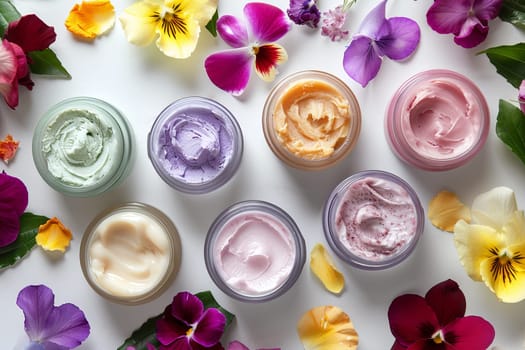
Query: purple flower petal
<point>237,345</point>
<point>521,96</point>
<point>197,346</point>
<point>397,346</point>
<point>30,33</point>
<point>9,225</point>
<point>373,22</point>
<point>230,70</point>
<point>13,192</point>
<point>472,33</point>
<point>187,308</point>
<point>469,333</point>
<point>402,38</point>
<point>209,330</point>
<point>447,301</point>
<point>268,23</point>
<point>361,61</point>
<point>168,330</point>
<point>448,16</point>
<point>411,319</point>
<point>487,9</point>
<point>304,12</point>
<point>232,31</point>
<point>180,344</point>
<point>62,327</point>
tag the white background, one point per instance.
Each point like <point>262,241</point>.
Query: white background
<point>141,82</point>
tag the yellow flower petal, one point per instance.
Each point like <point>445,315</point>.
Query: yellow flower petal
<point>90,19</point>
<point>494,208</point>
<point>202,10</point>
<point>327,328</point>
<point>139,22</point>
<point>445,209</point>
<point>8,148</point>
<point>473,244</point>
<point>53,235</point>
<point>323,267</point>
<point>514,229</point>
<point>179,44</point>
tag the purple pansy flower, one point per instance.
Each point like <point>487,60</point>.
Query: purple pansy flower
<point>237,345</point>
<point>51,327</point>
<point>304,12</point>
<point>437,321</point>
<point>186,325</point>
<point>13,203</point>
<point>521,96</point>
<point>395,37</point>
<point>466,19</point>
<point>230,70</point>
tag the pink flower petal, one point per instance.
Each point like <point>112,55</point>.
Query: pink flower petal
<point>10,225</point>
<point>30,33</point>
<point>232,31</point>
<point>373,22</point>
<point>230,70</point>
<point>521,96</point>
<point>411,319</point>
<point>448,16</point>
<point>13,192</point>
<point>487,9</point>
<point>469,333</point>
<point>267,22</point>
<point>187,308</point>
<point>210,328</point>
<point>169,330</point>
<point>472,33</point>
<point>237,345</point>
<point>447,301</point>
<point>361,61</point>
<point>402,39</point>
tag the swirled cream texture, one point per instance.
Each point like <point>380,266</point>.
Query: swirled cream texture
<point>442,119</point>
<point>80,147</point>
<point>129,254</point>
<point>254,253</point>
<point>195,145</point>
<point>376,218</point>
<point>312,119</point>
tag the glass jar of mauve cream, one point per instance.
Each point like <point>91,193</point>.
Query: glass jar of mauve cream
<point>311,120</point>
<point>130,254</point>
<point>83,146</point>
<point>195,145</point>
<point>373,220</point>
<point>437,120</point>
<point>254,251</point>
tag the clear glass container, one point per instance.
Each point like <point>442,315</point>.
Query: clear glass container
<point>130,254</point>
<point>373,220</point>
<point>437,120</point>
<point>195,145</point>
<point>311,120</point>
<point>83,146</point>
<point>254,251</point>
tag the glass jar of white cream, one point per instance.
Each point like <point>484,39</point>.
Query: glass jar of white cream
<point>129,254</point>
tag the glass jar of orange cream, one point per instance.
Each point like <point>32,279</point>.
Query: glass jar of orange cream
<point>129,254</point>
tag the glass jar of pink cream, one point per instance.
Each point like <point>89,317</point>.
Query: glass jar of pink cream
<point>437,120</point>
<point>254,251</point>
<point>373,220</point>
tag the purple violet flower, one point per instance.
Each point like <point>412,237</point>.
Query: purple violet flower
<point>237,345</point>
<point>521,96</point>
<point>395,37</point>
<point>13,203</point>
<point>230,69</point>
<point>466,19</point>
<point>186,325</point>
<point>48,326</point>
<point>304,12</point>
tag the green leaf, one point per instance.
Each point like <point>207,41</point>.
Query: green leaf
<point>510,128</point>
<point>140,338</point>
<point>46,62</point>
<point>513,11</point>
<point>509,62</point>
<point>8,13</point>
<point>212,24</point>
<point>29,224</point>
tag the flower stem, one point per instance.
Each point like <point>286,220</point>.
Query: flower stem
<point>347,4</point>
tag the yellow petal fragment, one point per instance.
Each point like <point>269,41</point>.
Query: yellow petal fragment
<point>445,209</point>
<point>53,235</point>
<point>8,148</point>
<point>322,266</point>
<point>202,10</point>
<point>90,19</point>
<point>139,22</point>
<point>327,328</point>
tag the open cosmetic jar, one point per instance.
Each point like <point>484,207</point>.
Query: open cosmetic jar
<point>83,146</point>
<point>195,145</point>
<point>254,251</point>
<point>311,120</point>
<point>373,220</point>
<point>437,120</point>
<point>129,254</point>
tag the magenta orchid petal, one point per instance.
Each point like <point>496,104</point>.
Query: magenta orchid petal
<point>237,345</point>
<point>448,16</point>
<point>521,96</point>
<point>10,224</point>
<point>187,308</point>
<point>469,333</point>
<point>361,61</point>
<point>13,192</point>
<point>209,330</point>
<point>447,301</point>
<point>402,39</point>
<point>181,343</point>
<point>232,31</point>
<point>62,327</point>
<point>472,33</point>
<point>30,33</point>
<point>374,21</point>
<point>411,319</point>
<point>197,346</point>
<point>169,330</point>
<point>267,22</point>
<point>230,70</point>
<point>487,9</point>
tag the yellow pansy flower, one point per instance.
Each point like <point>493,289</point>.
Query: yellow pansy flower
<point>53,235</point>
<point>492,246</point>
<point>90,19</point>
<point>176,22</point>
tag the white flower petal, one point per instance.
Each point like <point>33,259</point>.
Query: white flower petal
<point>494,208</point>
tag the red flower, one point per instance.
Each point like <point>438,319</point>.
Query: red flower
<point>437,321</point>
